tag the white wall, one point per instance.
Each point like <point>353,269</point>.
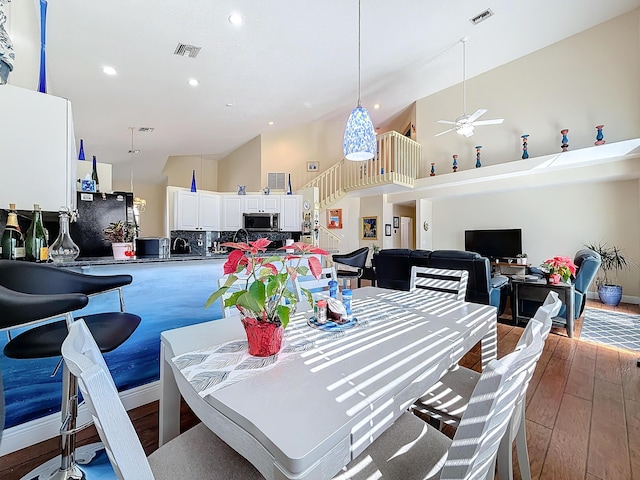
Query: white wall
<point>555,220</point>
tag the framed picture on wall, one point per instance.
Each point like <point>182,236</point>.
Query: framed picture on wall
<point>313,166</point>
<point>334,218</point>
<point>387,229</point>
<point>369,228</point>
<point>396,222</point>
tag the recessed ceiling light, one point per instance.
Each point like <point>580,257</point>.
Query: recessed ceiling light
<point>230,104</point>
<point>193,82</point>
<point>376,106</point>
<point>271,122</point>
<point>134,151</point>
<point>236,19</point>
<point>109,70</point>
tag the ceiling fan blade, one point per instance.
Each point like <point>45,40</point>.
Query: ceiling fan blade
<point>495,121</point>
<point>446,131</point>
<point>446,122</point>
<point>478,113</point>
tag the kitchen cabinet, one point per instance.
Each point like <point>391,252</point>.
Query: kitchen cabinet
<point>196,211</point>
<point>232,209</point>
<point>291,213</point>
<point>262,203</point>
<point>38,150</point>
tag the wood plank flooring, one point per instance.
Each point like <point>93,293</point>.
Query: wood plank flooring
<point>583,412</point>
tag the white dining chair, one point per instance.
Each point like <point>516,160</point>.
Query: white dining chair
<point>448,399</point>
<point>412,449</point>
<point>197,453</point>
<point>440,282</point>
<point>311,284</point>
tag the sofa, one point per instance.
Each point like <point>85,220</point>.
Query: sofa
<point>393,270</point>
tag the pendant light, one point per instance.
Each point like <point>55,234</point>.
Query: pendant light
<point>139,203</point>
<point>359,142</point>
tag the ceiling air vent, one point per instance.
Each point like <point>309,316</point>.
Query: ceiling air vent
<point>185,50</point>
<point>276,181</point>
<point>145,129</point>
<point>481,17</point>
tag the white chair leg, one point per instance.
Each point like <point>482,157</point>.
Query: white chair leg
<point>522,450</point>
<point>505,457</point>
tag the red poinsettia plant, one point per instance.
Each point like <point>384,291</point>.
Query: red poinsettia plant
<point>267,282</point>
<point>559,268</point>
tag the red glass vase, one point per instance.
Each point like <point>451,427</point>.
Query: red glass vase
<point>265,338</point>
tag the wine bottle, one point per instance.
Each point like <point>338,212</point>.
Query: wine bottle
<point>36,248</point>
<point>94,174</point>
<point>12,239</point>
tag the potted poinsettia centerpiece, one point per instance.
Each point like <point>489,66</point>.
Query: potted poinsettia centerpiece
<point>263,289</point>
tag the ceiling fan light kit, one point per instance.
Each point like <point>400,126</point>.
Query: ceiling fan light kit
<point>464,124</point>
<point>359,143</point>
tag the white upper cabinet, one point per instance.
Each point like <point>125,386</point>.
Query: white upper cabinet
<point>261,203</point>
<point>232,209</point>
<point>291,213</point>
<point>196,211</point>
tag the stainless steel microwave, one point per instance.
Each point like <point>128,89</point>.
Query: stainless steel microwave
<point>261,222</point>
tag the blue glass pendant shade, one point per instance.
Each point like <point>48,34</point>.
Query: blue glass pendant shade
<point>193,181</point>
<point>359,136</point>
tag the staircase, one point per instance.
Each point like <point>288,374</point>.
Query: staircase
<point>396,163</point>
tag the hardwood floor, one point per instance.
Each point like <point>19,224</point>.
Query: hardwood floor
<point>583,412</point>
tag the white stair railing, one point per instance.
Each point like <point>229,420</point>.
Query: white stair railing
<point>329,185</point>
<point>327,239</point>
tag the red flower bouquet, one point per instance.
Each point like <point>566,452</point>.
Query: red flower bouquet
<point>559,268</point>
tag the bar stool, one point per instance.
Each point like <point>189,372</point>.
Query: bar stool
<point>357,259</point>
<point>32,293</point>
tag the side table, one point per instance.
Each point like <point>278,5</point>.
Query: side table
<point>537,290</point>
<point>368,273</point>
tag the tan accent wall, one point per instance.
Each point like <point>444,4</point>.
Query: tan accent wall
<point>241,167</point>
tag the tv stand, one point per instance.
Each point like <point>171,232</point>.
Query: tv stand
<point>509,268</point>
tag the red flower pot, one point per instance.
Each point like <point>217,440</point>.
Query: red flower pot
<point>265,338</point>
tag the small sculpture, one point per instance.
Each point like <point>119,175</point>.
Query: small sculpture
<point>565,140</point>
<point>455,163</point>
<point>266,190</point>
<point>433,169</point>
<point>599,136</point>
<point>242,189</point>
<point>193,180</point>
<point>478,164</point>
<point>525,154</point>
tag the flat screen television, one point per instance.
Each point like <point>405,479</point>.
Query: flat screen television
<point>494,244</point>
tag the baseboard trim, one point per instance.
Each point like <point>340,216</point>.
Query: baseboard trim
<point>634,300</point>
<point>30,433</point>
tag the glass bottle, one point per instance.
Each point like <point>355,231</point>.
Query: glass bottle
<point>63,249</point>
<point>94,174</point>
<point>12,239</point>
<point>36,247</point>
<point>81,152</point>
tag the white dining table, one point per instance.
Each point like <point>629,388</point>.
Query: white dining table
<point>311,414</point>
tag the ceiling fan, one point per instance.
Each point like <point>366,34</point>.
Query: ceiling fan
<point>465,123</point>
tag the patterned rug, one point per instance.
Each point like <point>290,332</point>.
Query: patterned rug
<point>611,328</point>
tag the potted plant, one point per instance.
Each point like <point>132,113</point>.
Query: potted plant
<point>559,268</point>
<point>266,299</point>
<point>521,259</point>
<point>121,235</point>
<point>613,260</point>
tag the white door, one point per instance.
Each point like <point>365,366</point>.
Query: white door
<point>405,232</point>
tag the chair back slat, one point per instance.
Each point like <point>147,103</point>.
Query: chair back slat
<point>440,282</point>
<point>308,282</point>
<point>83,358</point>
<point>472,454</point>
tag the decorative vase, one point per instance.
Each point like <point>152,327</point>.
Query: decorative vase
<point>242,189</point>
<point>610,294</point>
<point>599,136</point>
<point>81,152</point>
<point>63,249</point>
<point>455,163</point>
<point>525,153</point>
<point>478,164</point>
<point>193,181</point>
<point>122,250</point>
<point>433,169</point>
<point>565,140</point>
<point>265,338</point>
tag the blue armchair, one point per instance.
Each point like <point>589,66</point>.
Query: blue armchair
<point>588,263</point>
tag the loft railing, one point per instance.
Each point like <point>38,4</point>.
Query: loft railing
<point>327,239</point>
<point>397,162</point>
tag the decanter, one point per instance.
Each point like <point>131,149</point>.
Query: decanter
<point>63,249</point>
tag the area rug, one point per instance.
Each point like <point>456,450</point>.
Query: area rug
<point>611,328</point>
